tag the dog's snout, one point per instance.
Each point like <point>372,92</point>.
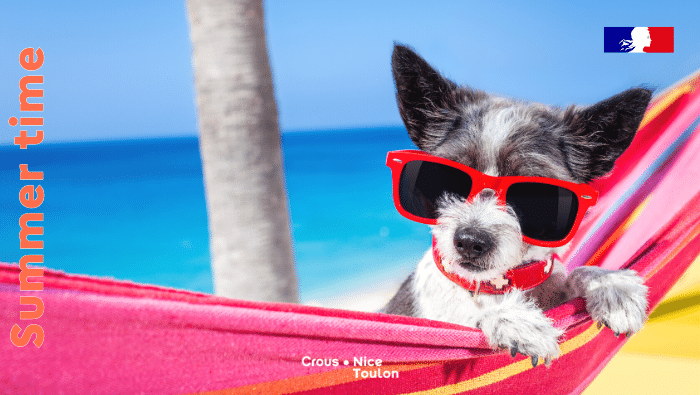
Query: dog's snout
<point>472,243</point>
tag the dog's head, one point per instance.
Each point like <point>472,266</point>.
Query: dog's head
<point>481,239</point>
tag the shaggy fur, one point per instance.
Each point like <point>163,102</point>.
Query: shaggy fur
<point>505,137</point>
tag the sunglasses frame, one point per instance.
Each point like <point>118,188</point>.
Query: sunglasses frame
<point>396,160</point>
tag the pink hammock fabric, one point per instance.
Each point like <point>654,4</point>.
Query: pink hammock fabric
<point>111,337</point>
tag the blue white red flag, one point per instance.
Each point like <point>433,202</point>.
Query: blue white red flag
<point>638,39</point>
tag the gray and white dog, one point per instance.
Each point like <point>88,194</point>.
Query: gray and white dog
<point>504,137</point>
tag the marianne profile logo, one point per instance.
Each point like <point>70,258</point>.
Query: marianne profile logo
<point>639,39</point>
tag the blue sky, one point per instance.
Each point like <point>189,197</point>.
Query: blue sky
<point>122,69</point>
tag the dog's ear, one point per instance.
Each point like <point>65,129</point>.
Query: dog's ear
<point>599,134</point>
<point>427,101</point>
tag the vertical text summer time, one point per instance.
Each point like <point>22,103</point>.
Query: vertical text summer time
<point>31,196</point>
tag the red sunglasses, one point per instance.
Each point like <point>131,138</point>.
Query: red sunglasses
<point>549,210</point>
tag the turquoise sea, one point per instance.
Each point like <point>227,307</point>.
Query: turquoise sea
<point>135,209</point>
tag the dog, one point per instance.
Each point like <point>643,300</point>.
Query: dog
<point>479,238</point>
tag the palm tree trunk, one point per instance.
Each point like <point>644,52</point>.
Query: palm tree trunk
<point>250,239</point>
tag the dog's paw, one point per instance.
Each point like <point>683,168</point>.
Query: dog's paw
<point>618,299</point>
<point>524,330</point>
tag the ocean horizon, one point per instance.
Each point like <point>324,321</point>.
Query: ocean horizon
<point>135,210</point>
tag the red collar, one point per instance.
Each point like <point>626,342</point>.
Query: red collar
<point>525,276</point>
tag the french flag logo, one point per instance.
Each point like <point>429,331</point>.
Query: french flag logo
<point>638,39</point>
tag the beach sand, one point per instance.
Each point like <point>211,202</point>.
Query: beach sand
<point>664,357</point>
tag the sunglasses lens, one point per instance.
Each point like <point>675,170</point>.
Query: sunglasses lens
<point>546,212</point>
<point>423,183</point>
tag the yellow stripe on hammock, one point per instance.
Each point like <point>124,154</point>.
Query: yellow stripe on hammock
<point>309,382</point>
<point>346,375</point>
<point>669,96</point>
<point>510,370</point>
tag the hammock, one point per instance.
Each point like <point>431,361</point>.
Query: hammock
<point>104,336</point>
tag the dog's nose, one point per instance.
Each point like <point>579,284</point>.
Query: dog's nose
<point>472,243</point>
